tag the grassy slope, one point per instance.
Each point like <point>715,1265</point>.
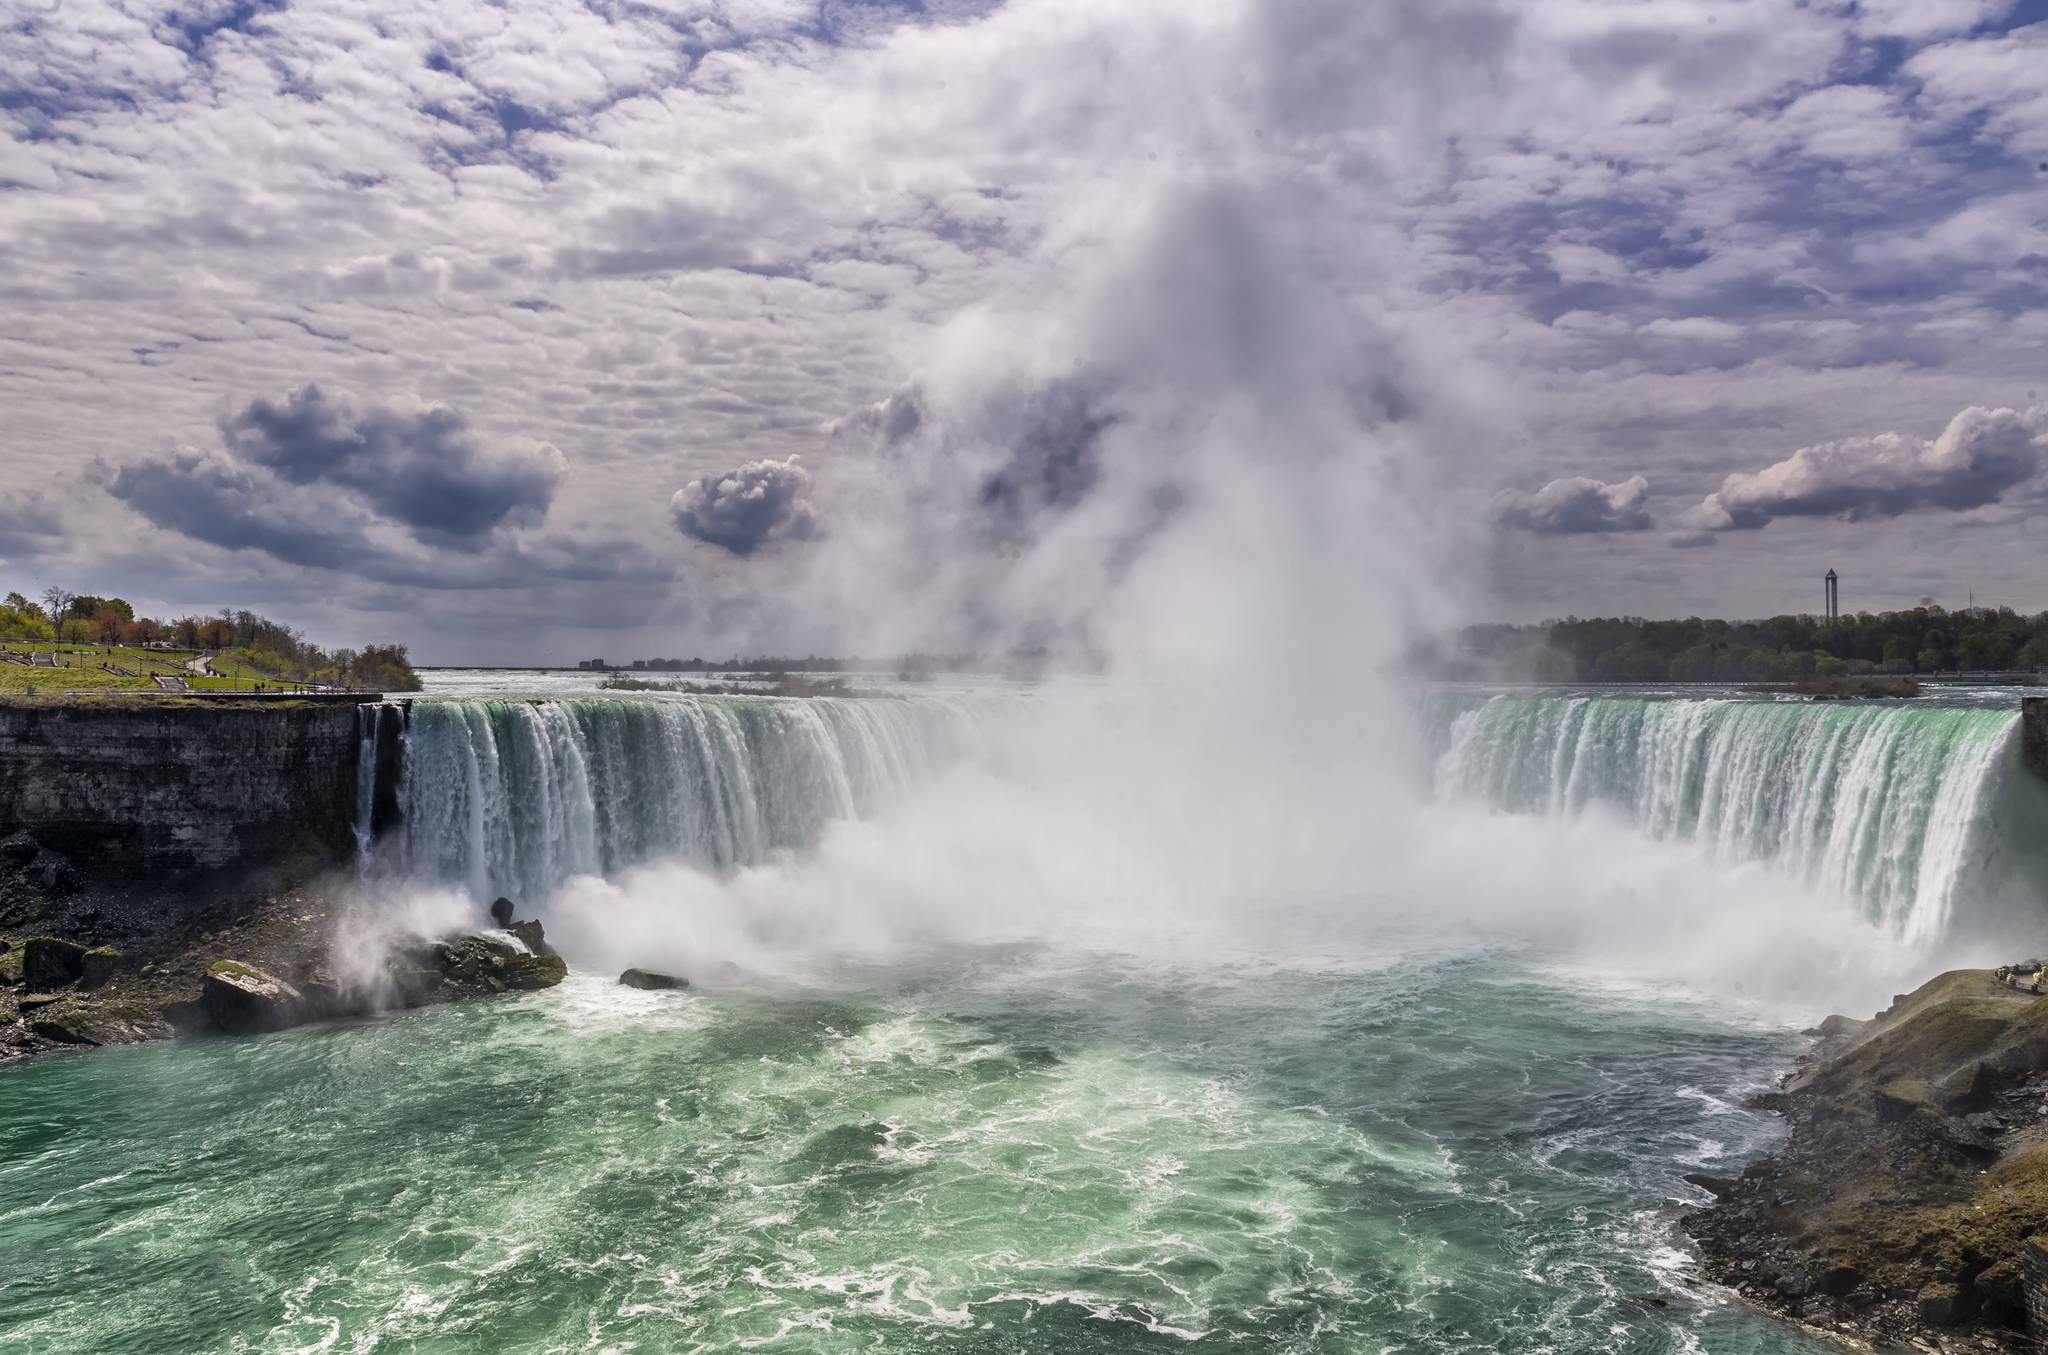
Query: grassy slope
<point>79,669</point>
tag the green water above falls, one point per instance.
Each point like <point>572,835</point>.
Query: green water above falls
<point>997,1149</point>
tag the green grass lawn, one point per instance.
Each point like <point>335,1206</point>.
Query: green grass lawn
<point>15,678</point>
<point>83,668</point>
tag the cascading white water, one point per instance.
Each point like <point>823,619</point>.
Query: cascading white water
<point>1890,804</point>
<point>513,797</point>
<point>367,718</point>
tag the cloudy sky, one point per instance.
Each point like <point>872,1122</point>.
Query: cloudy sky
<point>530,329</point>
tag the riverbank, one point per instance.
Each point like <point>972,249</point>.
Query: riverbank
<point>87,964</point>
<point>1912,1180</point>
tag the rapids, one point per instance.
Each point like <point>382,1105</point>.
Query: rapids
<point>988,1151</point>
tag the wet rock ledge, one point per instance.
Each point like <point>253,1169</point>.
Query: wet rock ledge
<point>267,968</point>
<point>1909,1202</point>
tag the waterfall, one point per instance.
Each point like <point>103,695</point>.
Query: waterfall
<point>1894,805</point>
<point>366,782</point>
<point>513,797</point>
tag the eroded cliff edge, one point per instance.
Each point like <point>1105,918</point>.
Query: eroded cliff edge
<point>1910,1198</point>
<point>171,786</point>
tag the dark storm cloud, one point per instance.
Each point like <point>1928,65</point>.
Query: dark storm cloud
<point>1981,456</point>
<point>1575,506</point>
<point>747,507</point>
<point>212,499</point>
<point>424,469</point>
<point>390,495</point>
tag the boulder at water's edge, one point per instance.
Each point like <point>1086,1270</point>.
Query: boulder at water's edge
<point>647,978</point>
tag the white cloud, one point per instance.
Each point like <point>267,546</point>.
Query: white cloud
<point>672,238</point>
<point>1981,456</point>
<point>1927,18</point>
<point>1692,328</point>
<point>1576,506</point>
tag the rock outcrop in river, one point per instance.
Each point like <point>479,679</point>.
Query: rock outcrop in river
<point>267,969</point>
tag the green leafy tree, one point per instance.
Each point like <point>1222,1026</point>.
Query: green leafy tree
<point>1985,650</point>
<point>1694,665</point>
<point>86,607</point>
<point>24,623</point>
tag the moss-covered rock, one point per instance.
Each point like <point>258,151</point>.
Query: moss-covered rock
<point>476,966</point>
<point>240,999</point>
<point>529,972</point>
<point>50,962</point>
<point>1915,1171</point>
<point>98,965</point>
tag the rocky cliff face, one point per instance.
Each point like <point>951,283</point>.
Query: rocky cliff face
<point>2034,732</point>
<point>1906,1200</point>
<point>124,790</point>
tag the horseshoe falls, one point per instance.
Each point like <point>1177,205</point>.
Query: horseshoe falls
<point>514,797</point>
<point>1917,811</point>
<point>1398,1107</point>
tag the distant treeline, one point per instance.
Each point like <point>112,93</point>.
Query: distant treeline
<point>268,647</point>
<point>1780,649</point>
<point>811,663</point>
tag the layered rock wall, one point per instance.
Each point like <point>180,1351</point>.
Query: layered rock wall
<point>2034,732</point>
<point>175,786</point>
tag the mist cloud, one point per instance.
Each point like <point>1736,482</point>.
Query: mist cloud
<point>748,507</point>
<point>1574,506</point>
<point>1982,456</point>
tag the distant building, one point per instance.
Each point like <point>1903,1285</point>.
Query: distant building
<point>1834,598</point>
<point>593,665</point>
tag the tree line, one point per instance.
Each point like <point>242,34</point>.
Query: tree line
<point>1922,640</point>
<point>269,647</point>
<point>776,666</point>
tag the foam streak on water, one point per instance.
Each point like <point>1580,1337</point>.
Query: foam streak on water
<point>1889,804</point>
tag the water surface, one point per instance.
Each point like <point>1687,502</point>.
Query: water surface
<point>994,1149</point>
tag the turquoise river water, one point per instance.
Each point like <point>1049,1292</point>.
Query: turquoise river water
<point>996,1150</point>
<point>1420,1140</point>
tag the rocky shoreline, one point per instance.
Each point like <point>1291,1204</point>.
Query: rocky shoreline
<point>1908,1204</point>
<point>85,964</point>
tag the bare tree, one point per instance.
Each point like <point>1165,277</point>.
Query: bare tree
<point>57,601</point>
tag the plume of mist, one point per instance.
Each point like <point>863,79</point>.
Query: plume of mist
<point>1201,438</point>
<point>378,920</point>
